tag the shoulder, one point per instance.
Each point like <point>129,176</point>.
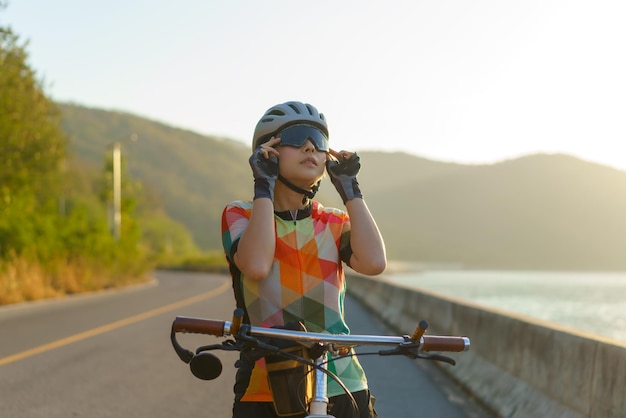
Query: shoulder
<point>239,204</point>
<point>238,208</point>
<point>329,213</point>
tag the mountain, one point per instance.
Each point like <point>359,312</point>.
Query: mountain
<point>538,212</point>
<point>534,212</point>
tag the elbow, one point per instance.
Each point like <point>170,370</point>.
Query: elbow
<point>254,270</point>
<point>378,267</point>
<point>372,267</point>
<point>377,262</point>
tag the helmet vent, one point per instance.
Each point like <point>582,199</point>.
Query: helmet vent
<point>295,108</point>
<point>276,112</point>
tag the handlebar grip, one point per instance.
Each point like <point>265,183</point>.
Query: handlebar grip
<point>198,326</point>
<point>444,343</point>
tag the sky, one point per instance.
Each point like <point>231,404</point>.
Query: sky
<point>473,82</point>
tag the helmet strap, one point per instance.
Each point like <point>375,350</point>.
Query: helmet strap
<point>308,194</point>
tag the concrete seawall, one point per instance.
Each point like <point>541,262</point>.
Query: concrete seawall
<point>519,366</point>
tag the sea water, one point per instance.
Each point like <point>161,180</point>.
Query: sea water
<point>593,302</point>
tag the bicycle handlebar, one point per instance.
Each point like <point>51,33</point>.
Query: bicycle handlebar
<point>219,328</point>
<point>261,342</point>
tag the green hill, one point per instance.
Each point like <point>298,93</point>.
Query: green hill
<point>535,212</point>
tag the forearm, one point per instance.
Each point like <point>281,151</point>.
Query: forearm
<point>368,248</point>
<point>255,252</point>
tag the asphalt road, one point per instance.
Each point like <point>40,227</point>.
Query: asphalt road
<point>109,355</point>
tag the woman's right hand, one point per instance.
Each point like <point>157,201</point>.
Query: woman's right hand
<point>264,164</point>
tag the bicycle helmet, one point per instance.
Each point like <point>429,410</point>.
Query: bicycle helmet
<point>283,115</point>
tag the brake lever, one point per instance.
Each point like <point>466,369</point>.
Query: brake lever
<point>408,348</point>
<point>249,342</point>
<point>437,357</point>
<point>226,345</point>
<point>241,342</point>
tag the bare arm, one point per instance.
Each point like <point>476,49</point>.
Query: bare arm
<point>255,252</point>
<point>368,248</point>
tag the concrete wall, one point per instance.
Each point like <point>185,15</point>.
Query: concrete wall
<point>519,366</point>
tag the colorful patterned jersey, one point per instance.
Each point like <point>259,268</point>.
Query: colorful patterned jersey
<point>306,283</point>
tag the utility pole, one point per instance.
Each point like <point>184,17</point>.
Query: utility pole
<point>117,187</point>
<point>117,190</point>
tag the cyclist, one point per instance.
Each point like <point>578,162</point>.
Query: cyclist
<point>285,250</point>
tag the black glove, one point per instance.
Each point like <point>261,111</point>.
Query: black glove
<point>343,175</point>
<point>265,172</point>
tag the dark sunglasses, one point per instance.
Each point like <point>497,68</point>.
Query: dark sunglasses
<point>296,136</point>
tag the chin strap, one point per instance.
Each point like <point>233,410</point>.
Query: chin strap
<point>308,194</point>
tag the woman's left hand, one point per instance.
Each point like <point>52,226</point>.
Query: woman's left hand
<point>341,155</point>
<point>342,168</point>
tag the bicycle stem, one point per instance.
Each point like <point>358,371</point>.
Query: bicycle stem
<point>319,404</point>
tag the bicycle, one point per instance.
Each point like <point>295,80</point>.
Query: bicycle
<point>298,358</point>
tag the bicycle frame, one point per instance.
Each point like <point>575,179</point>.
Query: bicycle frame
<point>415,346</point>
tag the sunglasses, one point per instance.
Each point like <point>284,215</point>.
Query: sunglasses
<point>296,136</point>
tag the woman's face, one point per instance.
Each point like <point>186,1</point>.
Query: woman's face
<point>303,165</point>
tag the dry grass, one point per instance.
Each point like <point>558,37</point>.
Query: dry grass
<point>22,280</point>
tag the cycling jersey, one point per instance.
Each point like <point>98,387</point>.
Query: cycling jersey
<point>306,283</point>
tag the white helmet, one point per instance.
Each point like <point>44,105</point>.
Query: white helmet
<point>282,115</point>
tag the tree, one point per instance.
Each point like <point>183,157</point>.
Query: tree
<point>33,148</point>
<point>33,145</point>
<point>53,236</point>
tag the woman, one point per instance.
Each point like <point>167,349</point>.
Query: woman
<point>285,250</point>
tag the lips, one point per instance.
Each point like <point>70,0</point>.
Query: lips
<point>309,161</point>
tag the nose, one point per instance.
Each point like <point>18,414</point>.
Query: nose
<point>308,146</point>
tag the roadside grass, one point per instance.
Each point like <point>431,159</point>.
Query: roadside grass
<point>22,280</point>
